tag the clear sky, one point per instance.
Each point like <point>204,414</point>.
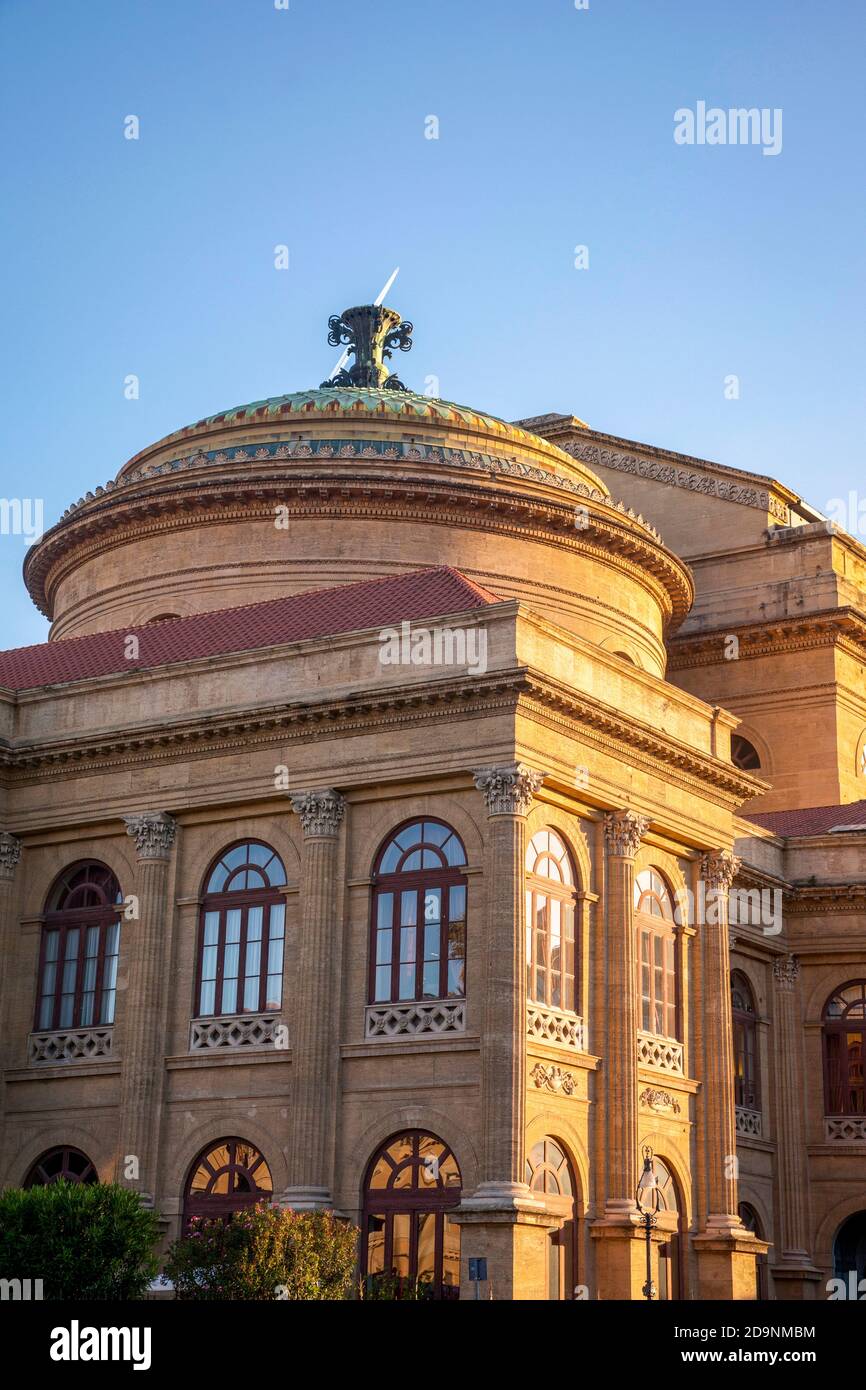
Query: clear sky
<point>306,127</point>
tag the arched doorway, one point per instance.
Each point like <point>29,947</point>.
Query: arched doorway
<point>549,1174</point>
<point>849,1248</point>
<point>670,1224</point>
<point>70,1164</point>
<point>752,1222</point>
<point>412,1183</point>
<point>226,1177</point>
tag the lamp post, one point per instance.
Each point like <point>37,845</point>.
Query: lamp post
<point>647,1198</point>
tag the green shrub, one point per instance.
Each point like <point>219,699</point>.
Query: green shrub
<point>264,1253</point>
<point>83,1240</point>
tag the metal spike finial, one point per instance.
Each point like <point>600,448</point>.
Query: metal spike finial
<point>371,332</point>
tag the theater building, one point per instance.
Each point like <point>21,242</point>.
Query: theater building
<point>367,831</point>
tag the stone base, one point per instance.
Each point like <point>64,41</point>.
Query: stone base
<point>798,1281</point>
<point>506,1225</point>
<point>726,1262</point>
<point>305,1199</point>
<point>620,1254</point>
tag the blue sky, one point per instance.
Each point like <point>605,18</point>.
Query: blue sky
<point>305,127</point>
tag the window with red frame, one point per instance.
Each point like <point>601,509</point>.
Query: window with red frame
<point>654,919</point>
<point>746,1092</point>
<point>550,955</point>
<point>844,1034</point>
<point>79,950</point>
<point>242,933</point>
<point>408,1240</point>
<point>418,946</point>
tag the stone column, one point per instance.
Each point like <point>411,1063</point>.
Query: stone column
<point>718,871</point>
<point>315,1059</point>
<point>500,1217</point>
<point>726,1251</point>
<point>10,853</point>
<point>623,831</point>
<point>143,1045</point>
<point>619,1270</point>
<point>793,1271</point>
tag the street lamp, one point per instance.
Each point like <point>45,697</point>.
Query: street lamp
<point>647,1198</point>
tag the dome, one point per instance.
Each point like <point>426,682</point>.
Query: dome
<point>354,480</point>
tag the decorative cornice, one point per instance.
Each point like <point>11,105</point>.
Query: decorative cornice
<point>623,831</point>
<point>320,811</point>
<point>508,790</point>
<point>719,869</point>
<point>159,502</point>
<point>10,853</point>
<point>692,479</point>
<point>153,832</point>
<point>634,737</point>
<point>814,900</point>
<point>785,971</point>
<point>553,1079</point>
<point>393,706</point>
<point>660,1101</point>
<point>837,626</point>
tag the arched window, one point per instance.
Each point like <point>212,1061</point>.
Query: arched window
<point>752,1222</point>
<point>844,1032</point>
<point>70,1164</point>
<point>746,1091</point>
<point>412,1183</point>
<point>849,1248</point>
<point>162,618</point>
<point>550,957</point>
<point>242,933</point>
<point>79,949</point>
<point>548,1172</point>
<point>654,920</point>
<point>227,1177</point>
<point>744,754</point>
<point>670,1224</point>
<point>418,947</point>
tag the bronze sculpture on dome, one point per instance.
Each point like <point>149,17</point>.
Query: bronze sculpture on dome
<point>371,332</point>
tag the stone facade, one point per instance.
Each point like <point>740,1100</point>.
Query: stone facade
<point>601,716</point>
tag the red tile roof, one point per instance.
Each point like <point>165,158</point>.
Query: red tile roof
<point>373,603</point>
<point>813,820</point>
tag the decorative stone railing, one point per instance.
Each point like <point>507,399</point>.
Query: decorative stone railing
<point>415,1020</point>
<point>555,1026</point>
<point>237,1033</point>
<point>845,1129</point>
<point>70,1045</point>
<point>748,1121</point>
<point>661,1054</point>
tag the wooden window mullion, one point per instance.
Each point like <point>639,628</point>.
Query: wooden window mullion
<point>220,961</point>
<point>101,942</point>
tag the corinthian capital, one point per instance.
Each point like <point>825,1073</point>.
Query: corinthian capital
<point>508,790</point>
<point>623,831</point>
<point>320,811</point>
<point>785,971</point>
<point>719,868</point>
<point>10,853</point>
<point>153,832</point>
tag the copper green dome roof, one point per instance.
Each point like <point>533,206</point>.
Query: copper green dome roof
<point>367,400</point>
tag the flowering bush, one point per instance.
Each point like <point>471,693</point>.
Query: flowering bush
<point>263,1253</point>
